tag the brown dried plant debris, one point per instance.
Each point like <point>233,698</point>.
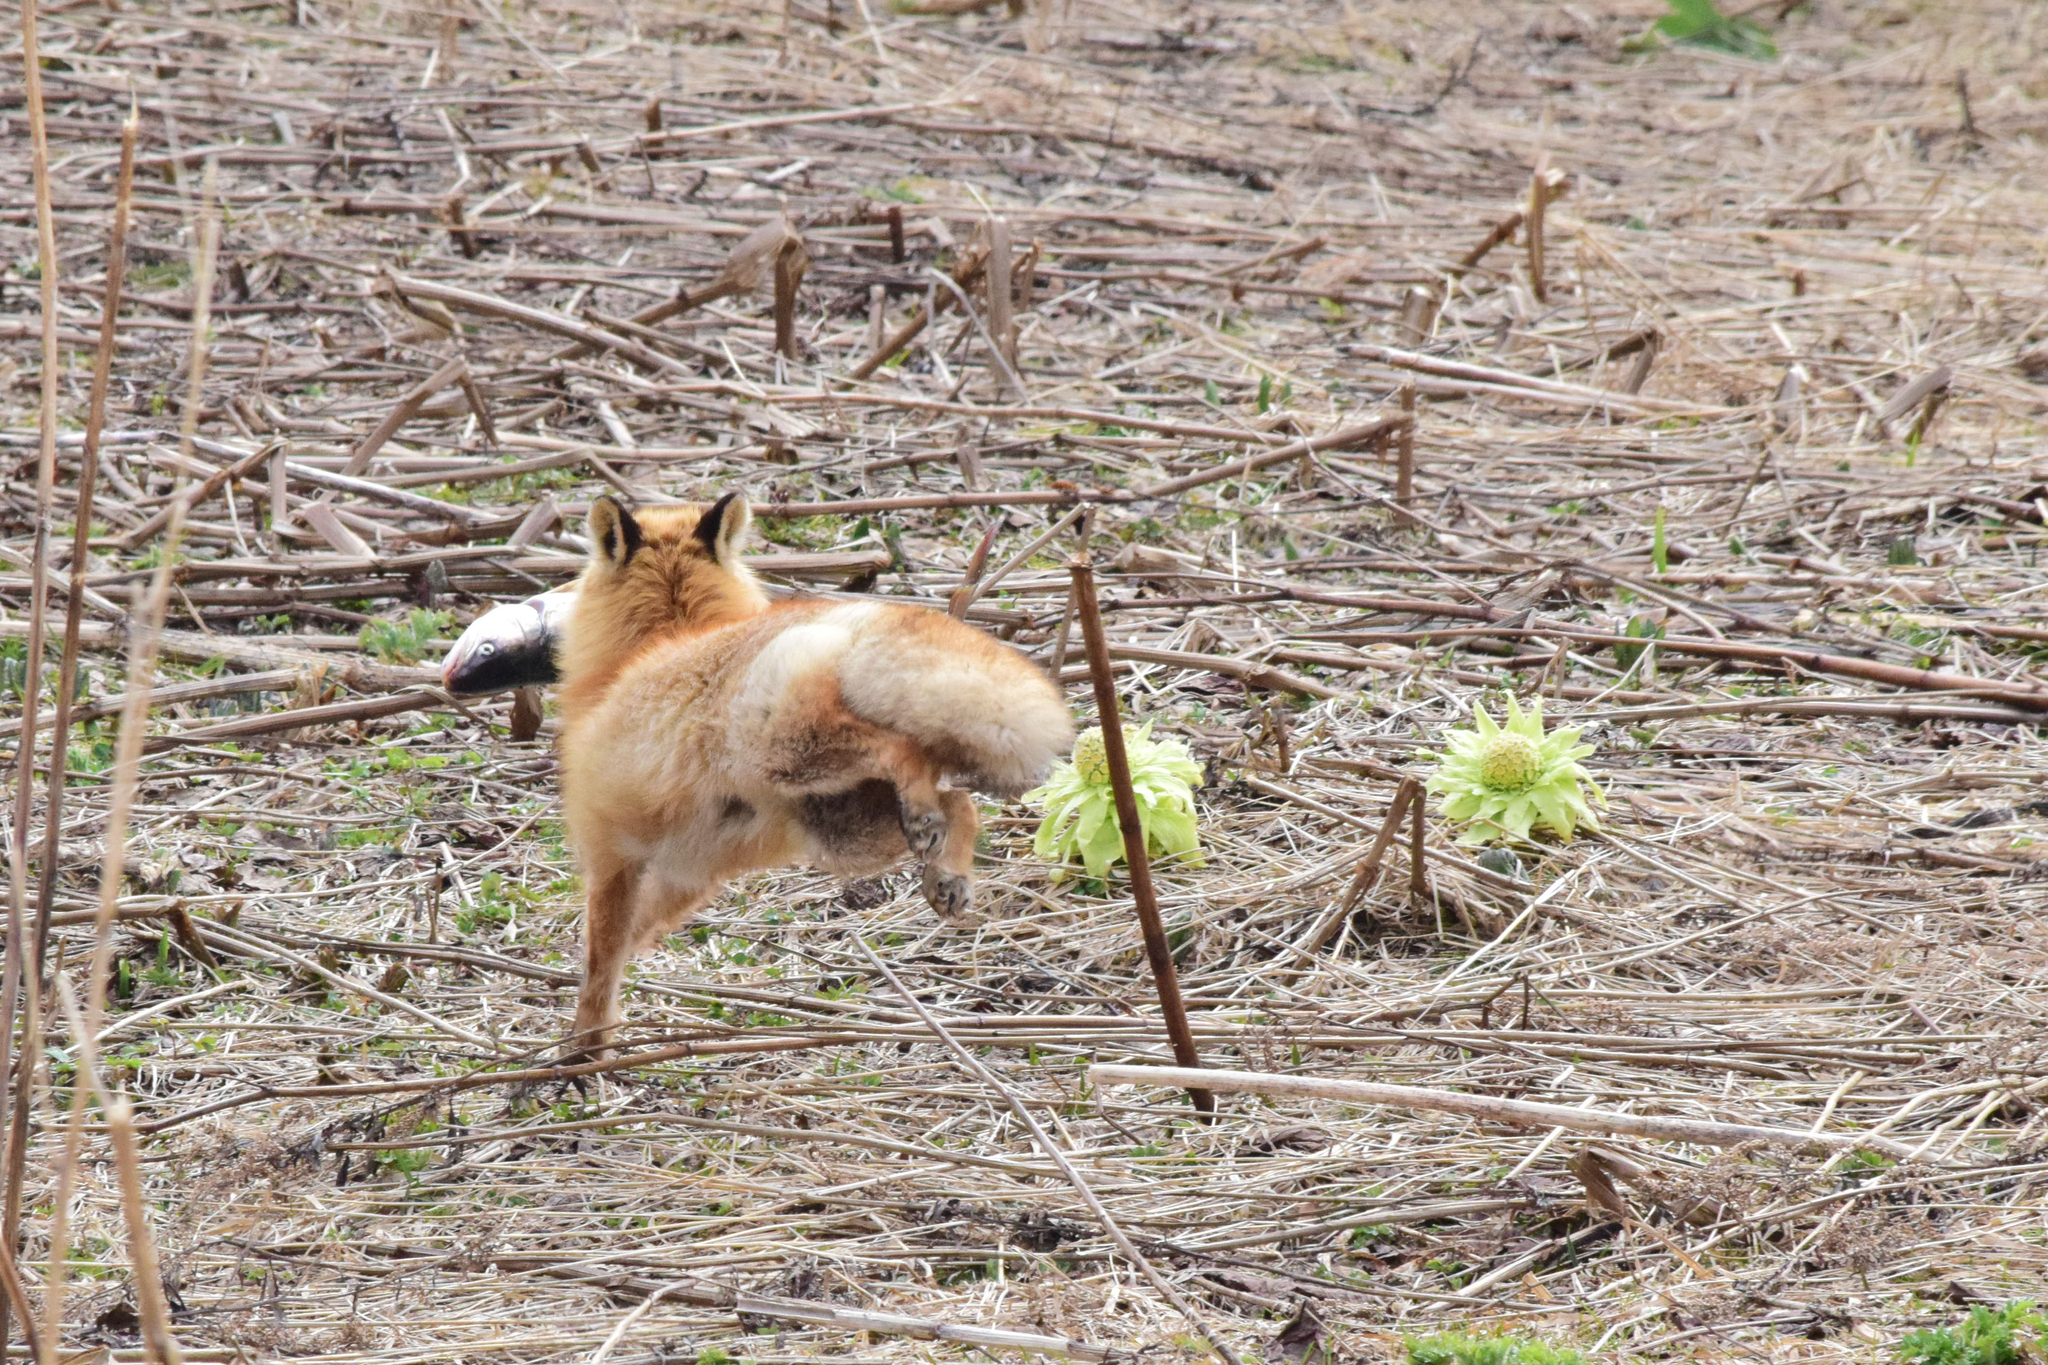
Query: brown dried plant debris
<point>1816,898</point>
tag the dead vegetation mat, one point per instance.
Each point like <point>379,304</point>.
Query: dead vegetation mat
<point>1777,394</point>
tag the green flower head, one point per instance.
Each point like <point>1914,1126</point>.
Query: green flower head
<point>1080,806</point>
<point>1503,780</point>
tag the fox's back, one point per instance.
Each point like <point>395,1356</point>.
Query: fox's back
<point>647,748</point>
<point>684,688</point>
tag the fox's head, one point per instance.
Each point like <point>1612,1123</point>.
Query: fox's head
<point>660,572</point>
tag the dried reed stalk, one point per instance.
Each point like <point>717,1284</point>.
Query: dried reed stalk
<point>755,259</point>
<point>1002,325</point>
<point>145,631</point>
<point>1407,793</point>
<point>53,819</point>
<point>790,262</point>
<point>157,1338</point>
<point>1137,858</point>
<point>963,277</point>
<point>1404,457</point>
<point>404,410</point>
<point>1344,438</point>
<point>1520,1113</point>
<point>21,991</point>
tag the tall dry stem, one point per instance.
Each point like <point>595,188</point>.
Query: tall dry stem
<point>20,978</point>
<point>145,633</point>
<point>88,469</point>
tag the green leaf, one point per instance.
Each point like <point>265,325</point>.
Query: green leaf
<point>1104,848</point>
<point>1701,23</point>
<point>1625,656</point>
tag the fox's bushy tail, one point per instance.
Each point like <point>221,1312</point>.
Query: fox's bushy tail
<point>988,715</point>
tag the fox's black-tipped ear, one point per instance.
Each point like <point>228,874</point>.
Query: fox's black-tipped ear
<point>723,528</point>
<point>614,535</point>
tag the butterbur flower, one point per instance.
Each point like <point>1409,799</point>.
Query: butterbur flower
<point>1503,780</point>
<point>1080,806</point>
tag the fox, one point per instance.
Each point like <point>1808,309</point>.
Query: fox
<point>708,733</point>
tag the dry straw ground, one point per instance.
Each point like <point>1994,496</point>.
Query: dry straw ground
<point>1796,304</point>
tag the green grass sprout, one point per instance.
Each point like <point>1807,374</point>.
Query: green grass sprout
<point>2010,1335</point>
<point>1460,1348</point>
<point>1702,24</point>
<point>407,641</point>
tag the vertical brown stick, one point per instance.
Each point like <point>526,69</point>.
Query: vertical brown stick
<point>878,303</point>
<point>16,1298</point>
<point>280,504</point>
<point>1418,313</point>
<point>1639,372</point>
<point>968,456</point>
<point>1058,663</point>
<point>19,989</point>
<point>977,564</point>
<point>88,477</point>
<point>1002,328</point>
<point>1025,278</point>
<point>1404,458</point>
<point>1405,795</point>
<point>896,252</point>
<point>1368,868</point>
<point>789,273</point>
<point>479,407</point>
<point>1532,230</point>
<point>148,1279</point>
<point>1135,856</point>
<point>457,214</point>
<point>451,37</point>
<point>145,631</point>
<point>1418,871</point>
<point>527,713</point>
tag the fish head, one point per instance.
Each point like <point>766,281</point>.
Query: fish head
<point>511,645</point>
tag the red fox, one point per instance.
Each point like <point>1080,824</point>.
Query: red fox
<point>707,733</point>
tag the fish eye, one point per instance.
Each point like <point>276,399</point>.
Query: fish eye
<point>487,649</point>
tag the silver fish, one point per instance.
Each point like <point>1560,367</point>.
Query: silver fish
<point>511,645</point>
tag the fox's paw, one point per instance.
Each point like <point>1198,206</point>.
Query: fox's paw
<point>950,894</point>
<point>587,1044</point>
<point>924,829</point>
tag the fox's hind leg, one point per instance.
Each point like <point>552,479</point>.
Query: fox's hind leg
<point>949,869</point>
<point>921,807</point>
<point>940,826</point>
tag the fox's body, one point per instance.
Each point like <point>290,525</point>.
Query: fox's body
<point>708,734</point>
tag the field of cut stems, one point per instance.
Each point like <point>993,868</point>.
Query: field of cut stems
<point>1386,360</point>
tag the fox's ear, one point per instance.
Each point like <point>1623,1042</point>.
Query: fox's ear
<point>614,535</point>
<point>723,528</point>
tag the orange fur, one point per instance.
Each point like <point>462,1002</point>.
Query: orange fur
<point>707,734</point>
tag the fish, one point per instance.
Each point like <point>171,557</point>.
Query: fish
<point>511,645</point>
